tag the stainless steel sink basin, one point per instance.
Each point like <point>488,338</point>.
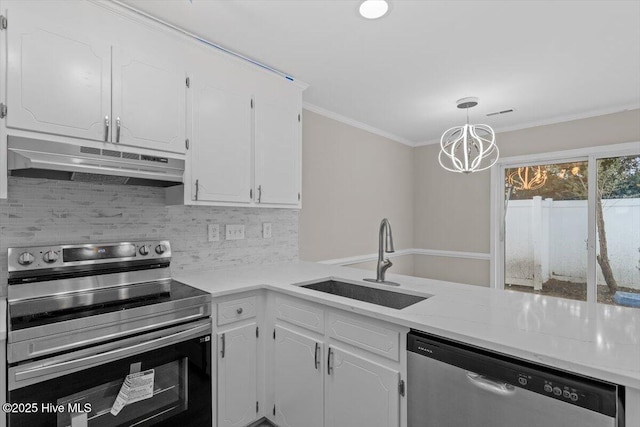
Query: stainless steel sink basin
<point>377,296</point>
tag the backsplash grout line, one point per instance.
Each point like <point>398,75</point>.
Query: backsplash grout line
<point>41,211</point>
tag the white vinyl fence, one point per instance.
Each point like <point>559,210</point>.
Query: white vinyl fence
<point>547,239</point>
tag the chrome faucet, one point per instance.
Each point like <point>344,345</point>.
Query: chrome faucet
<point>385,245</point>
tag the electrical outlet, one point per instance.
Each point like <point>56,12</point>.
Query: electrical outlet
<point>234,232</point>
<point>213,232</point>
<point>266,230</point>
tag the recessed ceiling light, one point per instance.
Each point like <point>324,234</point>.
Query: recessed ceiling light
<point>373,9</point>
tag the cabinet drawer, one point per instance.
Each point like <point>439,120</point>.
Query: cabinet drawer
<point>237,309</point>
<point>299,313</point>
<point>365,335</point>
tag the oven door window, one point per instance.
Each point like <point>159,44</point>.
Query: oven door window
<point>170,385</point>
<point>181,392</point>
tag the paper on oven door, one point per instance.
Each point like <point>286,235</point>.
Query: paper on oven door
<point>136,387</point>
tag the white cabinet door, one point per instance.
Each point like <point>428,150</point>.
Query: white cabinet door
<point>221,156</point>
<point>359,392</point>
<point>298,380</point>
<point>58,76</point>
<point>277,150</point>
<point>149,92</point>
<point>237,376</point>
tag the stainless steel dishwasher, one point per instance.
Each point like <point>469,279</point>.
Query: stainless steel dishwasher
<point>450,384</point>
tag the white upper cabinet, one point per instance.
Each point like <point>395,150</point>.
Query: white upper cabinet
<point>222,138</point>
<point>58,76</point>
<point>278,145</point>
<point>77,69</point>
<point>244,128</point>
<point>148,99</point>
<point>94,73</point>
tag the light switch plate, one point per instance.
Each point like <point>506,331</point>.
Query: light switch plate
<point>266,230</point>
<point>234,232</point>
<point>213,232</point>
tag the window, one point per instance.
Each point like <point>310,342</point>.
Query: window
<point>547,211</point>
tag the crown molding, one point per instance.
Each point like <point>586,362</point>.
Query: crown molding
<point>552,121</point>
<point>569,118</point>
<point>351,122</point>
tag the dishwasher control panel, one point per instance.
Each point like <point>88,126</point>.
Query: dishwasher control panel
<point>554,386</point>
<point>508,372</point>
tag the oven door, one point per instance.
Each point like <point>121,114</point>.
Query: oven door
<point>88,387</point>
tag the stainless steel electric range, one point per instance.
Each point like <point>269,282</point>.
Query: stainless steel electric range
<point>101,335</point>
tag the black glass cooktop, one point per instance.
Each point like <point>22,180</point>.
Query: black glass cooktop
<point>44,311</point>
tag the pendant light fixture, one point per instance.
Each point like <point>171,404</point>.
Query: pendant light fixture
<point>468,148</point>
<point>527,178</point>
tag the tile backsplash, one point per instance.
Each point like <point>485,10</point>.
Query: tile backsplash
<point>41,211</point>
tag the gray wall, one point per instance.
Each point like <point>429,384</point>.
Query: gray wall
<point>351,179</point>
<point>44,212</point>
<point>442,218</point>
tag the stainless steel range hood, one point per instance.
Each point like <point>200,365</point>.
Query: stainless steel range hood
<point>54,160</point>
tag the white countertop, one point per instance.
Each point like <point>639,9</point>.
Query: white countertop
<point>595,340</point>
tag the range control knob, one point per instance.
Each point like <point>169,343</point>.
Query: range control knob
<point>522,380</point>
<point>160,249</point>
<point>50,257</point>
<point>548,388</point>
<point>574,396</point>
<point>26,258</point>
<point>144,250</point>
<point>566,394</point>
<point>557,391</point>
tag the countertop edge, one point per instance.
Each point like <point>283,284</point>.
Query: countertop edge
<point>246,279</point>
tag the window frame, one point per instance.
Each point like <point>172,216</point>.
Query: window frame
<point>589,154</point>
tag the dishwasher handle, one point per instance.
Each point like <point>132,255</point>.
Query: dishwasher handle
<point>491,385</point>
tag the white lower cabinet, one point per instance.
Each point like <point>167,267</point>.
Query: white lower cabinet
<point>298,379</point>
<point>331,370</point>
<point>360,392</point>
<point>237,376</point>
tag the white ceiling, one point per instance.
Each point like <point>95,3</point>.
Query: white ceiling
<point>549,60</point>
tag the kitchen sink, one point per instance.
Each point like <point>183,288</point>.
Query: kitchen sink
<point>377,296</point>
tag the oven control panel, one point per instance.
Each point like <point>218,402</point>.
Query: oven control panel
<point>54,256</point>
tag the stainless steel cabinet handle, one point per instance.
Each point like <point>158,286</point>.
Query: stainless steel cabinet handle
<point>106,128</point>
<point>259,193</point>
<point>117,129</point>
<point>316,362</point>
<point>223,346</point>
<point>329,367</point>
<point>239,310</point>
<point>491,385</point>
